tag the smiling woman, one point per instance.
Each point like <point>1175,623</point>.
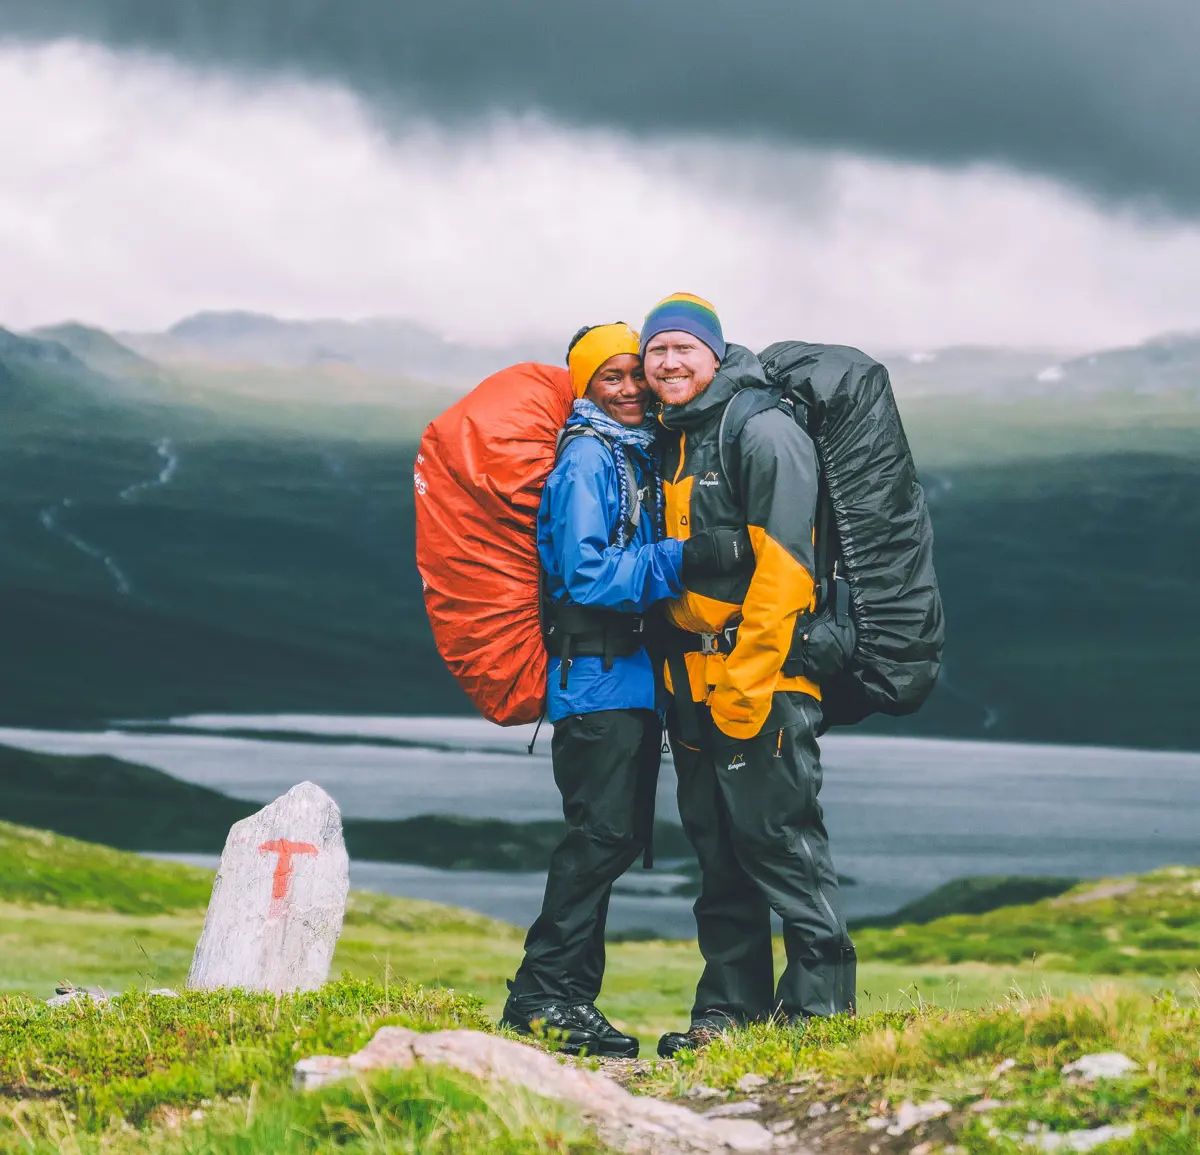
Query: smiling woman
<point>146,190</point>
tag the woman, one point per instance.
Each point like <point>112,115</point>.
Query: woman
<point>606,561</point>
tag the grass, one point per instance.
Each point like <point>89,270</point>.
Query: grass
<point>976,895</point>
<point>45,869</point>
<point>210,1072</point>
<point>1012,1053</point>
<point>1145,925</point>
<point>99,917</point>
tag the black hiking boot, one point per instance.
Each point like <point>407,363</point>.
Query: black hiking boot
<point>612,1043</point>
<point>556,1022</point>
<point>702,1032</point>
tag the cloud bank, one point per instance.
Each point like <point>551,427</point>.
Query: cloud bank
<point>135,192</point>
<point>1101,94</point>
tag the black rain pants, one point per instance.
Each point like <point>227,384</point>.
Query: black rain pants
<point>750,809</point>
<point>606,769</point>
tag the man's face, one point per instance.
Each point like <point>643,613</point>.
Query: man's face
<point>679,367</point>
<point>619,388</point>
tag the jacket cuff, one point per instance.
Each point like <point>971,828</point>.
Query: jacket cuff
<point>672,562</point>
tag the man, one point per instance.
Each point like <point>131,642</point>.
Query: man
<point>605,562</point>
<point>743,733</point>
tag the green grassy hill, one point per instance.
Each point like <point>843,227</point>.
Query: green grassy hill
<point>1072,594</point>
<point>211,1072</point>
<point>244,556</point>
<point>158,560</point>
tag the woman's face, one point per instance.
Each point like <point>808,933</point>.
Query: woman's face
<point>618,387</point>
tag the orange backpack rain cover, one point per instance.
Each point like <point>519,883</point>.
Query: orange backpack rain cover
<point>479,477</point>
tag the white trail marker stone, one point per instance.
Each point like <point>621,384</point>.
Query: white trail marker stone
<point>278,899</point>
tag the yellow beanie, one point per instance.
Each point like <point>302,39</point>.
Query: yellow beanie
<point>595,347</point>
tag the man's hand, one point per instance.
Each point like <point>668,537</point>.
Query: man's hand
<point>716,551</point>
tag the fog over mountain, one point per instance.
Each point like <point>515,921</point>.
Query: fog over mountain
<point>1101,93</point>
<point>893,176</point>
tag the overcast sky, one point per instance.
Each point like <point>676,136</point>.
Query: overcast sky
<point>890,174</point>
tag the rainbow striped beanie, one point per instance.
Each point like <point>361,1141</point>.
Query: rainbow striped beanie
<point>685,313</point>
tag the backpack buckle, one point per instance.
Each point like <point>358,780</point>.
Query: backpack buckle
<point>710,643</point>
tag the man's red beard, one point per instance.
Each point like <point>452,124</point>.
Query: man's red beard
<point>694,390</point>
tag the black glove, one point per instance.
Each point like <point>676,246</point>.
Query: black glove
<point>716,551</point>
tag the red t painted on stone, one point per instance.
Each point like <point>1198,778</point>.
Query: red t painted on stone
<point>283,865</point>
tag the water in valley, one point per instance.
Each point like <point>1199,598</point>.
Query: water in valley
<point>904,814</point>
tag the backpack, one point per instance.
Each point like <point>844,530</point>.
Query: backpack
<point>478,477</point>
<point>874,538</point>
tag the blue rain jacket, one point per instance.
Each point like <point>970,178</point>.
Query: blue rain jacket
<point>576,522</point>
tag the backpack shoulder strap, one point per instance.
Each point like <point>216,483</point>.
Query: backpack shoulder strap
<point>633,497</point>
<point>744,405</point>
<point>750,403</point>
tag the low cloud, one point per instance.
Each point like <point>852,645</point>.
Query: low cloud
<point>135,192</point>
<point>1101,94</point>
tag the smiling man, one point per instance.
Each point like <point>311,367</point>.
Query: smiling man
<point>743,720</point>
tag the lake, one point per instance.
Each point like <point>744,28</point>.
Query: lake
<point>904,814</point>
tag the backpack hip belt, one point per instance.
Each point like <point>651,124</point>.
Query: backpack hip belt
<point>582,632</point>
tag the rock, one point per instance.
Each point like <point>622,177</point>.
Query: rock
<point>911,1115</point>
<point>780,1126</point>
<point>1002,1067</point>
<point>165,993</point>
<point>278,900</point>
<point>1068,1140</point>
<point>631,1123</point>
<point>922,1148</point>
<point>74,995</point>
<point>728,1110</point>
<point>985,1105</point>
<point>310,1074</point>
<point>1105,1065</point>
<point>704,1092</point>
<point>817,1110</point>
<point>750,1081</point>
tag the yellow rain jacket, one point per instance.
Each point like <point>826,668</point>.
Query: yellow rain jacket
<point>774,494</point>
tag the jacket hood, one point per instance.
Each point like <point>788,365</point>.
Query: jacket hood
<point>739,370</point>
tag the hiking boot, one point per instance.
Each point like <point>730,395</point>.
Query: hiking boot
<point>570,1030</point>
<point>611,1042</point>
<point>702,1032</point>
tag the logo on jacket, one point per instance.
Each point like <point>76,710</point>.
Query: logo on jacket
<point>738,763</point>
<point>710,479</point>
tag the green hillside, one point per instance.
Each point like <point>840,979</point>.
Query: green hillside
<point>1146,924</point>
<point>268,569</point>
<point>1072,595</point>
<point>164,559</point>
